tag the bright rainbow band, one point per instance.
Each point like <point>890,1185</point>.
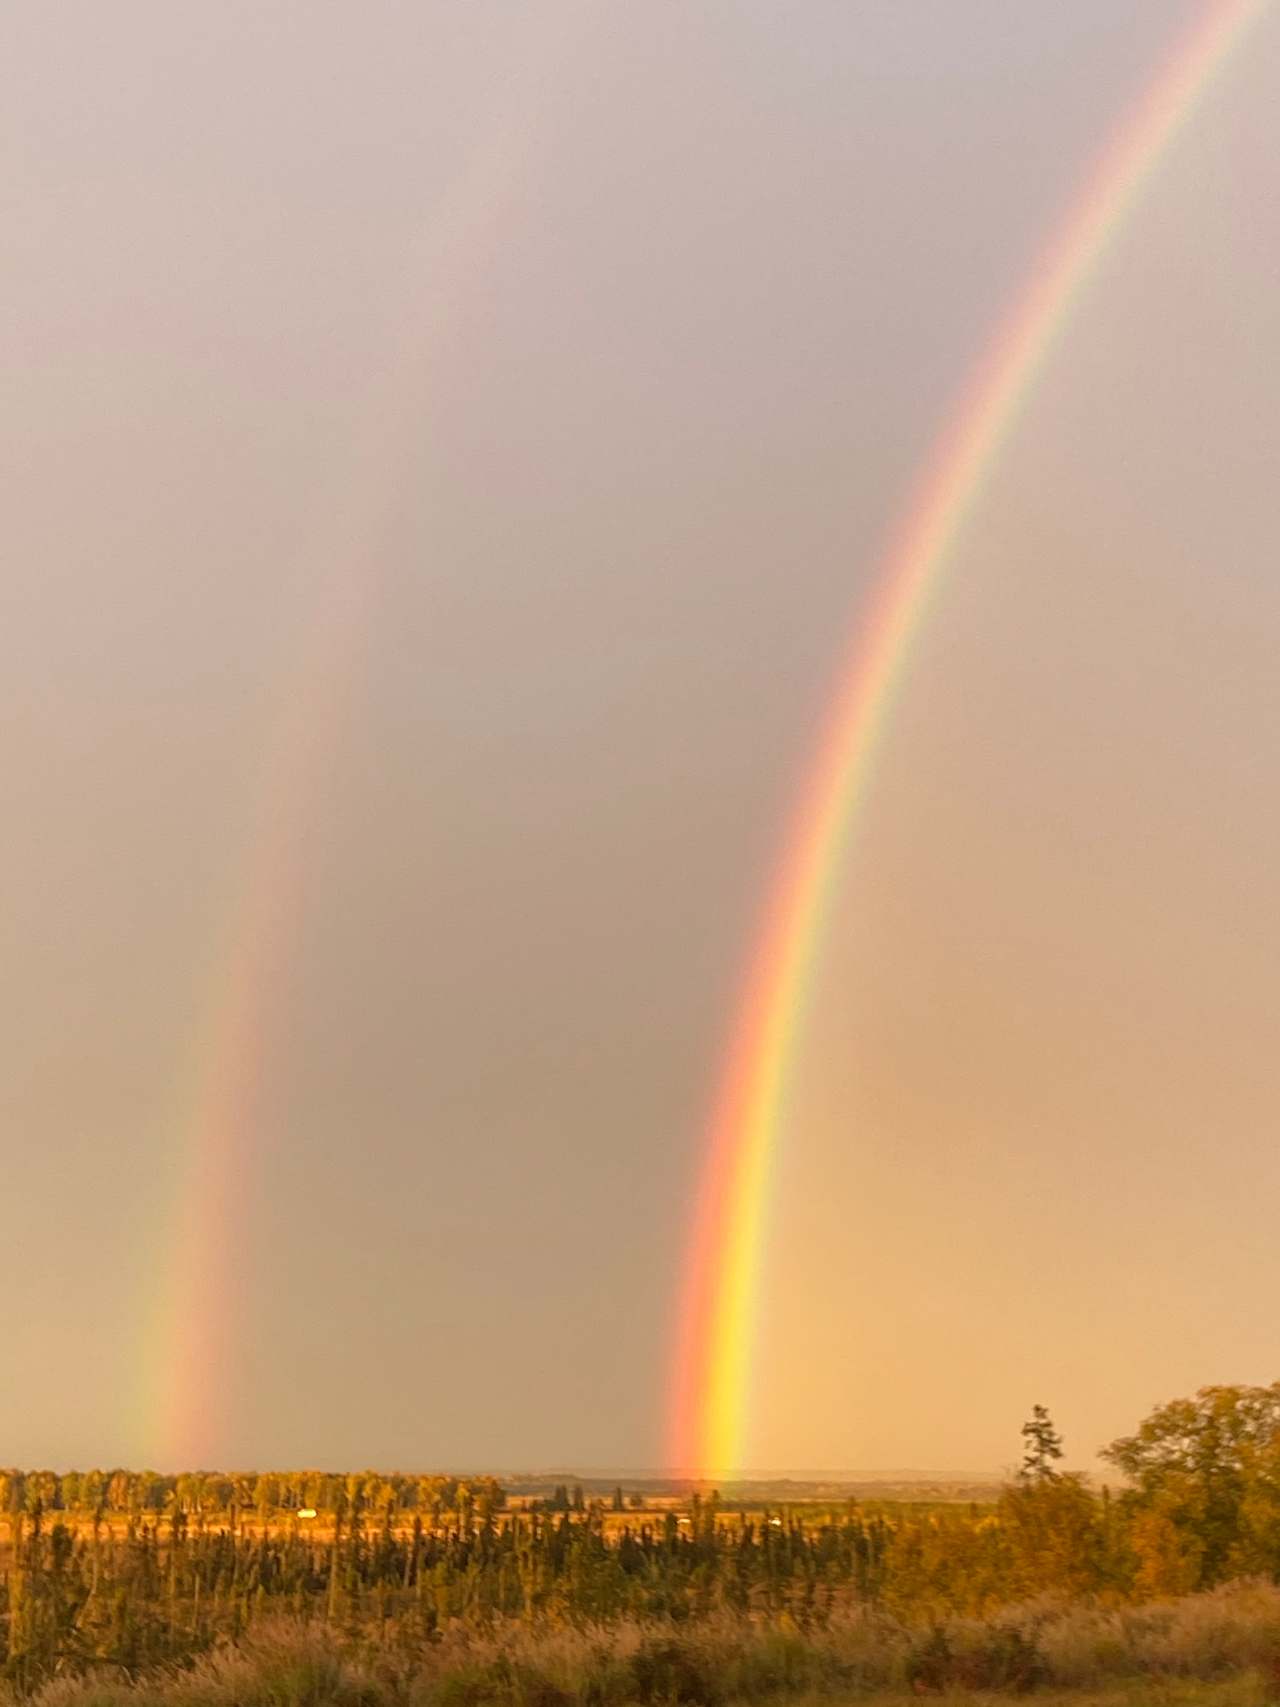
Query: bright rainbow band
<point>719,1300</point>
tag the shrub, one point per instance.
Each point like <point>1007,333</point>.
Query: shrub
<point>671,1670</point>
<point>929,1663</point>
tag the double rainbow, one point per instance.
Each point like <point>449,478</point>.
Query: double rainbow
<point>719,1297</point>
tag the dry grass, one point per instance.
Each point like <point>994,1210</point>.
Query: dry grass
<point>1213,1650</point>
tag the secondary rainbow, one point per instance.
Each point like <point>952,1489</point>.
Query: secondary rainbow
<point>719,1296</point>
<point>183,1406</point>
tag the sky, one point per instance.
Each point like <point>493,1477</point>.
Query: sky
<point>446,450</point>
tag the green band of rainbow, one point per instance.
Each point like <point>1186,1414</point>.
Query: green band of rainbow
<point>719,1298</point>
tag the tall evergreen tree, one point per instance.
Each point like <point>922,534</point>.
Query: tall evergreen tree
<point>1042,1447</point>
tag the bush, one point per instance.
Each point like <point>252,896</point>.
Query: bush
<point>1000,1658</point>
<point>503,1681</point>
<point>929,1663</point>
<point>671,1670</point>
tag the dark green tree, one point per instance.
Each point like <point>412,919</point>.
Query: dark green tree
<point>1042,1447</point>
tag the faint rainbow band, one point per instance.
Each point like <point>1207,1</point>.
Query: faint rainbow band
<point>184,1390</point>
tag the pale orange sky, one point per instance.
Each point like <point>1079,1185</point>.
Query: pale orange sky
<point>620,336</point>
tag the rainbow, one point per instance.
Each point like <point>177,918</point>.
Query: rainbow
<point>184,1401</point>
<point>181,1411</point>
<point>718,1300</point>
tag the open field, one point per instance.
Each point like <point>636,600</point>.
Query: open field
<point>1047,1586</point>
<point>253,1524</point>
<point>456,1588</point>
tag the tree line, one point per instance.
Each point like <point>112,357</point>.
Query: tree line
<point>1201,1505</point>
<point>206,1493</point>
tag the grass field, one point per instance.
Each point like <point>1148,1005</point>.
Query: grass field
<point>1218,1649</point>
<point>233,1686</point>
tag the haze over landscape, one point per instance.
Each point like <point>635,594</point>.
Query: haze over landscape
<point>444,461</point>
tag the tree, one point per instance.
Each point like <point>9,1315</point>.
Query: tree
<point>266,1495</point>
<point>1210,1468</point>
<point>1053,1527</point>
<point>43,1485</point>
<point>490,1497</point>
<point>1167,1560</point>
<point>1042,1449</point>
<point>150,1491</point>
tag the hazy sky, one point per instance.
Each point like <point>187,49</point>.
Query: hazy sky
<point>591,348</point>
